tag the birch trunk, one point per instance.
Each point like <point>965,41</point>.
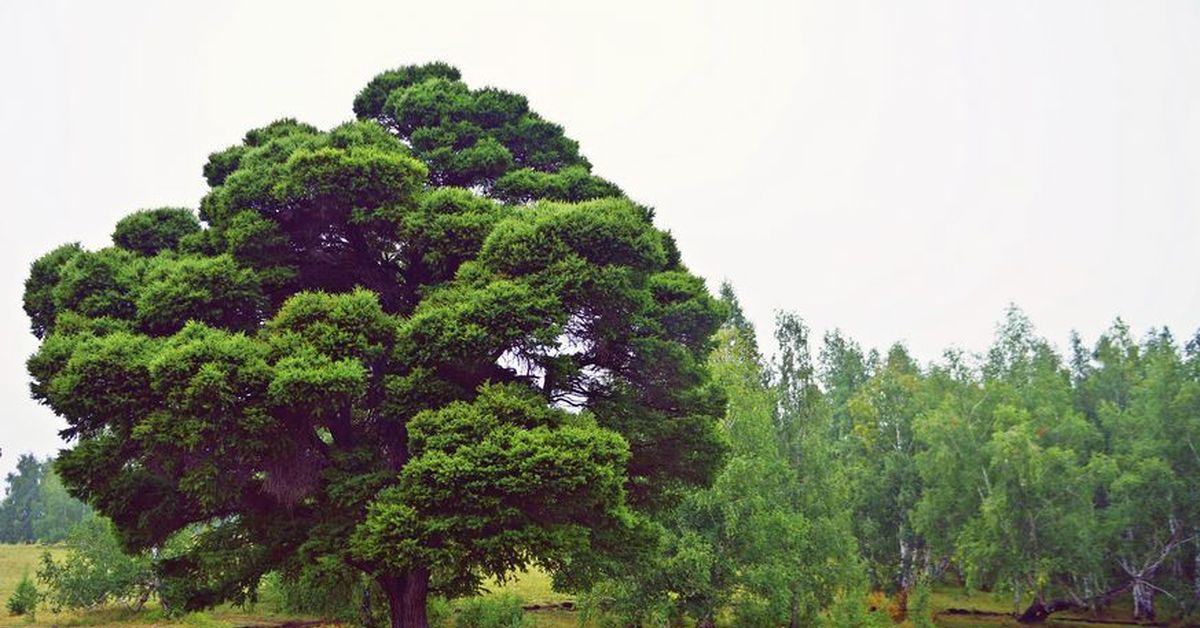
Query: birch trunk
<point>1143,600</point>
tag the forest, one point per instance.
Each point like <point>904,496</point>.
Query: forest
<point>402,361</point>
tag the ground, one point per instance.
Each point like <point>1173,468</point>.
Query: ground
<point>532,587</point>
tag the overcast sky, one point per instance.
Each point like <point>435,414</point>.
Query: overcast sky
<point>901,170</point>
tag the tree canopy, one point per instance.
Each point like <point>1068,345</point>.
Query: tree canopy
<point>429,343</point>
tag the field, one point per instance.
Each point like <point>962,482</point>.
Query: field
<point>533,588</point>
<point>17,560</point>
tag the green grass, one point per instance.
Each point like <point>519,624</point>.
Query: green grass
<point>982,601</point>
<point>533,587</point>
<point>17,560</point>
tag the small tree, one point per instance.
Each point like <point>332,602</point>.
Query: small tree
<point>96,571</point>
<point>24,599</point>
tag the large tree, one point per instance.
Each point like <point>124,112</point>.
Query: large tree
<point>429,343</point>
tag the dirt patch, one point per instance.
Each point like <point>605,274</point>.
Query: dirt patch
<point>967,612</point>
<point>297,624</point>
<point>560,606</point>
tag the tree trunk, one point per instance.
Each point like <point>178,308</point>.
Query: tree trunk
<point>794,618</point>
<point>1039,610</point>
<point>368,613</point>
<point>1143,600</point>
<point>142,598</point>
<point>406,596</point>
<point>1196,567</point>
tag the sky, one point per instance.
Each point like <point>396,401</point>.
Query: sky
<point>899,170</point>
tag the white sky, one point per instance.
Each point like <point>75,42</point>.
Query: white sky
<point>901,170</point>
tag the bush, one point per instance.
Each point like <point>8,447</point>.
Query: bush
<point>327,587</point>
<point>502,611</point>
<point>96,571</point>
<point>855,609</point>
<point>331,589</point>
<point>24,600</point>
<point>919,611</point>
<point>438,611</point>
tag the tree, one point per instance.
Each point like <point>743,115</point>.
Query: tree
<point>843,370</point>
<point>36,506</point>
<point>1009,474</point>
<point>1142,406</point>
<point>363,353</point>
<point>25,598</point>
<point>1185,455</point>
<point>59,511</point>
<point>818,558</point>
<point>770,539</point>
<point>22,504</point>
<point>881,457</point>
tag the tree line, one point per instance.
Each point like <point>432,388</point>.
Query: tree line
<point>36,507</point>
<point>1066,481</point>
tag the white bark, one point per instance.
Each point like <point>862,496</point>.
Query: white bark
<point>1143,600</point>
<point>1196,566</point>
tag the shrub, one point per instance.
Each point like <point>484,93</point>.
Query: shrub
<point>328,588</point>
<point>502,611</point>
<point>96,571</point>
<point>25,599</point>
<point>919,612</point>
<point>438,611</point>
<point>855,609</point>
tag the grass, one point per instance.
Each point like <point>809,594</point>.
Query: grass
<point>533,587</point>
<point>17,560</point>
<point>943,598</point>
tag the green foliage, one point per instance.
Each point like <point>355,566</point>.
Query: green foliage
<point>36,505</point>
<point>438,611</point>
<point>359,356</point>
<point>486,138</point>
<point>547,477</point>
<point>573,183</point>
<point>770,538</point>
<point>152,230</point>
<point>500,611</point>
<point>95,571</point>
<point>920,612</point>
<point>22,501</point>
<point>60,512</point>
<point>1049,480</point>
<point>328,588</point>
<point>25,598</point>
<point>44,275</point>
<point>850,609</point>
<point>880,448</point>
